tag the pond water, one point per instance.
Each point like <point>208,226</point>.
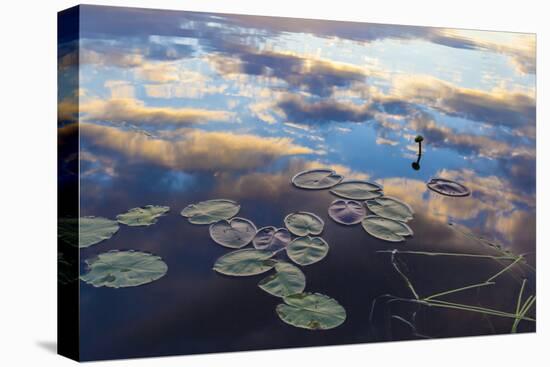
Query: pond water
<point>177,108</point>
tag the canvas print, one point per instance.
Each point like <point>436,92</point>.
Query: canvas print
<point>235,182</point>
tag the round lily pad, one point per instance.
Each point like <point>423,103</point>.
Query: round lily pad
<point>316,179</point>
<point>143,216</point>
<point>386,229</point>
<point>271,238</point>
<point>311,311</point>
<point>392,208</point>
<point>307,250</point>
<point>347,212</point>
<point>210,211</point>
<point>235,233</point>
<point>245,262</point>
<point>448,187</point>
<point>93,230</point>
<point>117,269</point>
<point>304,223</point>
<point>357,190</point>
<point>287,280</point>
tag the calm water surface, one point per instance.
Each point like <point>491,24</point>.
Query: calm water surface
<point>182,107</point>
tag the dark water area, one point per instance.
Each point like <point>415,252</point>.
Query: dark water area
<point>193,309</point>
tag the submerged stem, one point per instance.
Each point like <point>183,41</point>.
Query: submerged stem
<point>518,303</point>
<point>478,310</point>
<point>409,284</point>
<point>505,269</point>
<point>458,254</point>
<point>458,290</point>
<point>463,307</point>
<point>521,316</point>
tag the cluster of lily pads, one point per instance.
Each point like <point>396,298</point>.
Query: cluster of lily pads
<point>279,249</point>
<point>301,309</point>
<point>115,268</point>
<point>388,215</point>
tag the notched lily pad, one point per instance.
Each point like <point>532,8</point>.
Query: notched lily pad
<point>118,269</point>
<point>347,212</point>
<point>94,230</point>
<point>311,311</point>
<point>245,262</point>
<point>288,280</point>
<point>210,211</point>
<point>357,190</point>
<point>386,229</point>
<point>307,250</point>
<point>235,233</point>
<point>271,238</point>
<point>392,208</point>
<point>143,216</point>
<point>448,187</point>
<point>316,179</point>
<point>304,223</point>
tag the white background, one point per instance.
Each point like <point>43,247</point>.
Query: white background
<point>28,183</point>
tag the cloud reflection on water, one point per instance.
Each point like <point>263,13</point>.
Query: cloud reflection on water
<point>181,107</point>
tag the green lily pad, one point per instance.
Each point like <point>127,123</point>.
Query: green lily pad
<point>210,211</point>
<point>316,179</point>
<point>67,269</point>
<point>357,190</point>
<point>448,187</point>
<point>288,280</point>
<point>117,269</point>
<point>386,229</point>
<point>245,262</point>
<point>391,208</point>
<point>304,223</point>
<point>311,311</point>
<point>67,231</point>
<point>347,212</point>
<point>235,233</point>
<point>93,230</point>
<point>271,238</point>
<point>144,216</point>
<point>307,250</point>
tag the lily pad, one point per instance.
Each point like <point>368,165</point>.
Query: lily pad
<point>347,212</point>
<point>288,280</point>
<point>311,311</point>
<point>271,238</point>
<point>316,179</point>
<point>67,269</point>
<point>144,216</point>
<point>93,230</point>
<point>67,231</point>
<point>357,190</point>
<point>304,223</point>
<point>392,208</point>
<point>210,211</point>
<point>307,250</point>
<point>448,187</point>
<point>235,233</point>
<point>386,229</point>
<point>245,262</point>
<point>117,269</point>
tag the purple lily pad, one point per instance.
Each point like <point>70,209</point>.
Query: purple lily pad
<point>347,212</point>
<point>271,238</point>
